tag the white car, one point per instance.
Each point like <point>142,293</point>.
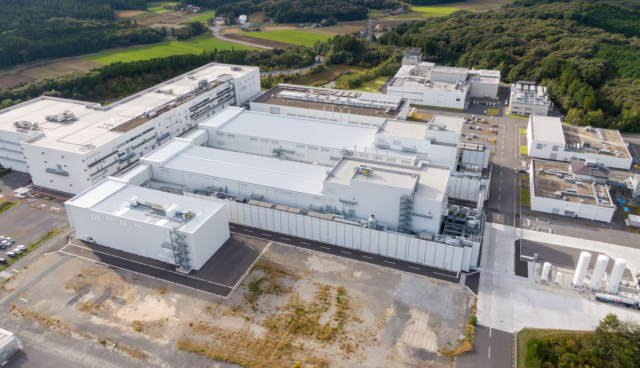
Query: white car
<point>17,250</point>
<point>21,247</point>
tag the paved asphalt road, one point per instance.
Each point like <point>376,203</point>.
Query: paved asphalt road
<point>491,349</point>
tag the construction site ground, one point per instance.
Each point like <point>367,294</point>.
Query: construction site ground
<point>295,308</point>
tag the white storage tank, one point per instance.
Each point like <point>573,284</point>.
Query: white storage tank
<point>581,270</point>
<point>598,272</point>
<point>545,271</point>
<point>616,275</point>
<point>559,278</point>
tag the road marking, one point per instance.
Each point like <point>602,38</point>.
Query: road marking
<point>490,329</point>
<point>415,268</point>
<point>321,247</point>
<point>342,251</point>
<point>33,255</point>
<point>249,231</point>
<point>498,196</point>
<point>306,243</point>
<point>231,227</point>
<point>442,274</point>
<point>389,262</point>
<point>489,352</point>
<point>266,234</point>
<point>367,257</point>
<point>498,205</point>
<point>14,270</point>
<point>285,239</point>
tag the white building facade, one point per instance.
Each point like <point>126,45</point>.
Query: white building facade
<point>179,230</point>
<point>548,139</point>
<point>69,145</point>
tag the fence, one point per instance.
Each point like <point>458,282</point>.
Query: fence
<point>390,244</point>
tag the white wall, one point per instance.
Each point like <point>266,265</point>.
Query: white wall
<point>467,188</point>
<point>389,244</point>
<point>340,113</point>
<point>484,90</point>
<point>476,158</point>
<point>423,96</point>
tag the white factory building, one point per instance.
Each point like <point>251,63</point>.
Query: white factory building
<point>401,197</point>
<point>548,139</point>
<point>331,105</point>
<point>526,98</point>
<point>557,189</point>
<point>424,83</point>
<point>69,145</point>
<point>166,227</point>
<point>325,142</point>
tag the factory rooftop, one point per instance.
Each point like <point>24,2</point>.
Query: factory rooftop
<point>333,101</point>
<point>427,75</point>
<point>613,142</point>
<point>529,93</point>
<point>181,156</point>
<point>418,130</point>
<point>429,181</point>
<point>95,125</point>
<point>111,197</point>
<point>546,129</point>
<point>548,183</point>
<point>319,133</point>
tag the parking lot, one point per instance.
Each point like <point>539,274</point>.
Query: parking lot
<point>12,181</point>
<point>218,276</point>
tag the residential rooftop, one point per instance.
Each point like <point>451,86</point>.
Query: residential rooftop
<point>334,102</point>
<point>93,125</point>
<point>547,184</point>
<point>111,197</point>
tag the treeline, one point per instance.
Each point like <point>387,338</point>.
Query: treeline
<point>37,29</point>
<point>123,79</point>
<point>353,50</point>
<point>302,11</point>
<point>430,2</point>
<point>613,344</point>
<point>582,51</point>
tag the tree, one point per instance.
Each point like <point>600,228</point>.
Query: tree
<point>231,18</point>
<point>25,56</point>
<point>590,103</point>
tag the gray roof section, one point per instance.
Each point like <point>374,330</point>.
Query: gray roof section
<point>547,129</point>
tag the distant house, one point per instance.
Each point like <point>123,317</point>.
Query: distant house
<point>242,19</point>
<point>380,28</point>
<point>323,22</point>
<point>249,27</point>
<point>364,32</point>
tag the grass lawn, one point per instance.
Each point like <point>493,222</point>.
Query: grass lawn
<point>434,11</point>
<point>525,197</point>
<point>202,18</point>
<point>527,334</point>
<point>523,131</point>
<point>492,111</point>
<point>6,205</point>
<point>156,6</point>
<point>327,75</point>
<point>371,86</point>
<point>524,150</point>
<point>192,46</point>
<point>293,37</point>
<point>518,117</point>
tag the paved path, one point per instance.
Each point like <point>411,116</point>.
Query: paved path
<point>492,348</point>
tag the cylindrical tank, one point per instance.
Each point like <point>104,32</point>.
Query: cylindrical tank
<point>598,272</point>
<point>581,270</point>
<point>545,271</point>
<point>558,278</point>
<point>616,275</point>
<point>372,222</point>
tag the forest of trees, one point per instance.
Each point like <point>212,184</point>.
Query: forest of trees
<point>614,344</point>
<point>301,11</point>
<point>37,29</point>
<point>123,79</point>
<point>586,53</point>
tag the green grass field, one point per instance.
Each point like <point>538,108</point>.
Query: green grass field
<point>434,11</point>
<point>293,37</point>
<point>202,18</point>
<point>370,86</point>
<point>191,46</point>
<point>525,197</point>
<point>156,6</point>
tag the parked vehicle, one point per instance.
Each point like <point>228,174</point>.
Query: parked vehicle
<point>10,345</point>
<point>619,300</point>
<point>17,250</point>
<point>21,247</point>
<point>3,261</point>
<point>11,254</point>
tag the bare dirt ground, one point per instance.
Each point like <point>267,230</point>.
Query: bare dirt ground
<point>295,308</point>
<point>173,17</point>
<point>335,30</point>
<point>50,70</point>
<point>128,13</point>
<point>259,41</point>
<point>277,28</point>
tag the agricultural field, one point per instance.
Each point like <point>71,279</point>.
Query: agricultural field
<point>477,5</point>
<point>121,14</point>
<point>335,30</point>
<point>164,49</point>
<point>46,70</point>
<point>202,17</point>
<point>156,6</point>
<point>434,11</point>
<point>290,36</point>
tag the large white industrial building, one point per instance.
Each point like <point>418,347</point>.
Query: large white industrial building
<point>529,99</point>
<point>424,83</point>
<point>548,139</point>
<point>166,227</point>
<point>568,190</point>
<point>354,188</point>
<point>331,105</point>
<point>69,145</point>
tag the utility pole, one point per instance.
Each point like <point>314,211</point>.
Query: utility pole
<point>370,34</point>
<point>167,27</point>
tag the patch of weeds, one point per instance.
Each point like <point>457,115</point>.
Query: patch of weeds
<point>163,290</point>
<point>270,283</point>
<point>465,345</point>
<point>89,308</point>
<point>129,350</point>
<point>138,326</point>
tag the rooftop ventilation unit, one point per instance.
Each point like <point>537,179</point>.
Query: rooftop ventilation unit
<point>62,117</point>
